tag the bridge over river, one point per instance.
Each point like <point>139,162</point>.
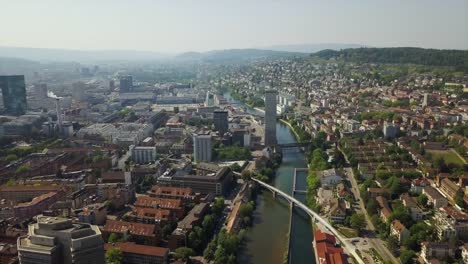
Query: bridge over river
<point>351,249</point>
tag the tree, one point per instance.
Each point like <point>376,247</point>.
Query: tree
<point>407,256</point>
<point>372,207</point>
<point>114,256</point>
<point>246,209</point>
<point>23,169</point>
<point>459,198</point>
<point>209,251</point>
<point>393,244</point>
<point>395,186</point>
<point>208,223</point>
<point>235,167</point>
<point>231,259</point>
<point>246,174</point>
<point>358,221</point>
<point>422,199</point>
<point>10,182</point>
<point>220,255</point>
<point>218,206</point>
<point>11,157</point>
<point>184,253</point>
<point>167,230</point>
<point>440,165</point>
<point>113,237</point>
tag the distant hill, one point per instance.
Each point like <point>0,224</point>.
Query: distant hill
<point>64,55</point>
<point>311,48</point>
<point>61,55</point>
<point>236,55</point>
<point>429,57</point>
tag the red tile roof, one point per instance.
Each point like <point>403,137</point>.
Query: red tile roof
<point>161,214</point>
<point>173,191</point>
<point>327,252</point>
<point>144,201</point>
<point>129,247</point>
<point>113,226</point>
<point>37,199</point>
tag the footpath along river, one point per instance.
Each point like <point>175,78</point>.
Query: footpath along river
<point>267,240</point>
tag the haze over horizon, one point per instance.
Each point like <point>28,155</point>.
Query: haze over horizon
<point>180,26</point>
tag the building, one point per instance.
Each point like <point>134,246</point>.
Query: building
<point>184,194</point>
<point>436,199</point>
<point>36,206</point>
<point>465,252</point>
<point>151,216</point>
<point>270,117</point>
<point>19,193</point>
<point>425,100</point>
<point>449,188</point>
<point>417,185</point>
<point>175,206</point>
<point>398,230</point>
<point>215,183</point>
<point>14,94</point>
<point>142,155</point>
<point>146,234</point>
<point>95,214</point>
<point>126,84</point>
<point>58,240</point>
<point>329,178</point>
<point>140,254</point>
<point>436,250</point>
<point>337,211</point>
<point>193,218</point>
<point>8,253</point>
<point>202,147</point>
<point>410,203</point>
<point>390,131</point>
<point>209,101</point>
<point>326,249</point>
<point>220,121</point>
<point>451,222</point>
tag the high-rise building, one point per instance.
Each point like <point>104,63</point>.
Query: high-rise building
<point>424,102</point>
<point>270,117</point>
<point>209,101</point>
<point>220,121</point>
<point>111,85</point>
<point>389,130</point>
<point>126,84</point>
<point>14,94</point>
<point>57,240</point>
<point>142,155</point>
<point>202,147</point>
<point>40,90</point>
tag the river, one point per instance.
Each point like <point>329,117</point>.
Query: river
<point>266,241</point>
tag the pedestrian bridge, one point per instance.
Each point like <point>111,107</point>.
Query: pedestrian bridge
<point>315,217</point>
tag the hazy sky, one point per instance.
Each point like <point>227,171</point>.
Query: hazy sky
<point>179,25</point>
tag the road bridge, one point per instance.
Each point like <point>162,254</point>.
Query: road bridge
<point>315,217</point>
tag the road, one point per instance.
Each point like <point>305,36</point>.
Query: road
<point>376,243</point>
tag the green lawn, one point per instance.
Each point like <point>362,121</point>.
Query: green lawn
<point>348,232</point>
<point>447,155</point>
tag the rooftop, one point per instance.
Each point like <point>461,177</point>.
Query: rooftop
<point>129,247</point>
<point>113,226</point>
<point>145,201</point>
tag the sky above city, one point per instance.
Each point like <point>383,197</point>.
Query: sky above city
<point>170,26</point>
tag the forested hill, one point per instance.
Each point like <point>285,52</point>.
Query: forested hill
<point>430,57</point>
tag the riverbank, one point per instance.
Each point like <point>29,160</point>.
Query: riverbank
<point>296,135</point>
<point>267,240</point>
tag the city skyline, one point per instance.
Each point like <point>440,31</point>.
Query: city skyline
<point>181,26</point>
